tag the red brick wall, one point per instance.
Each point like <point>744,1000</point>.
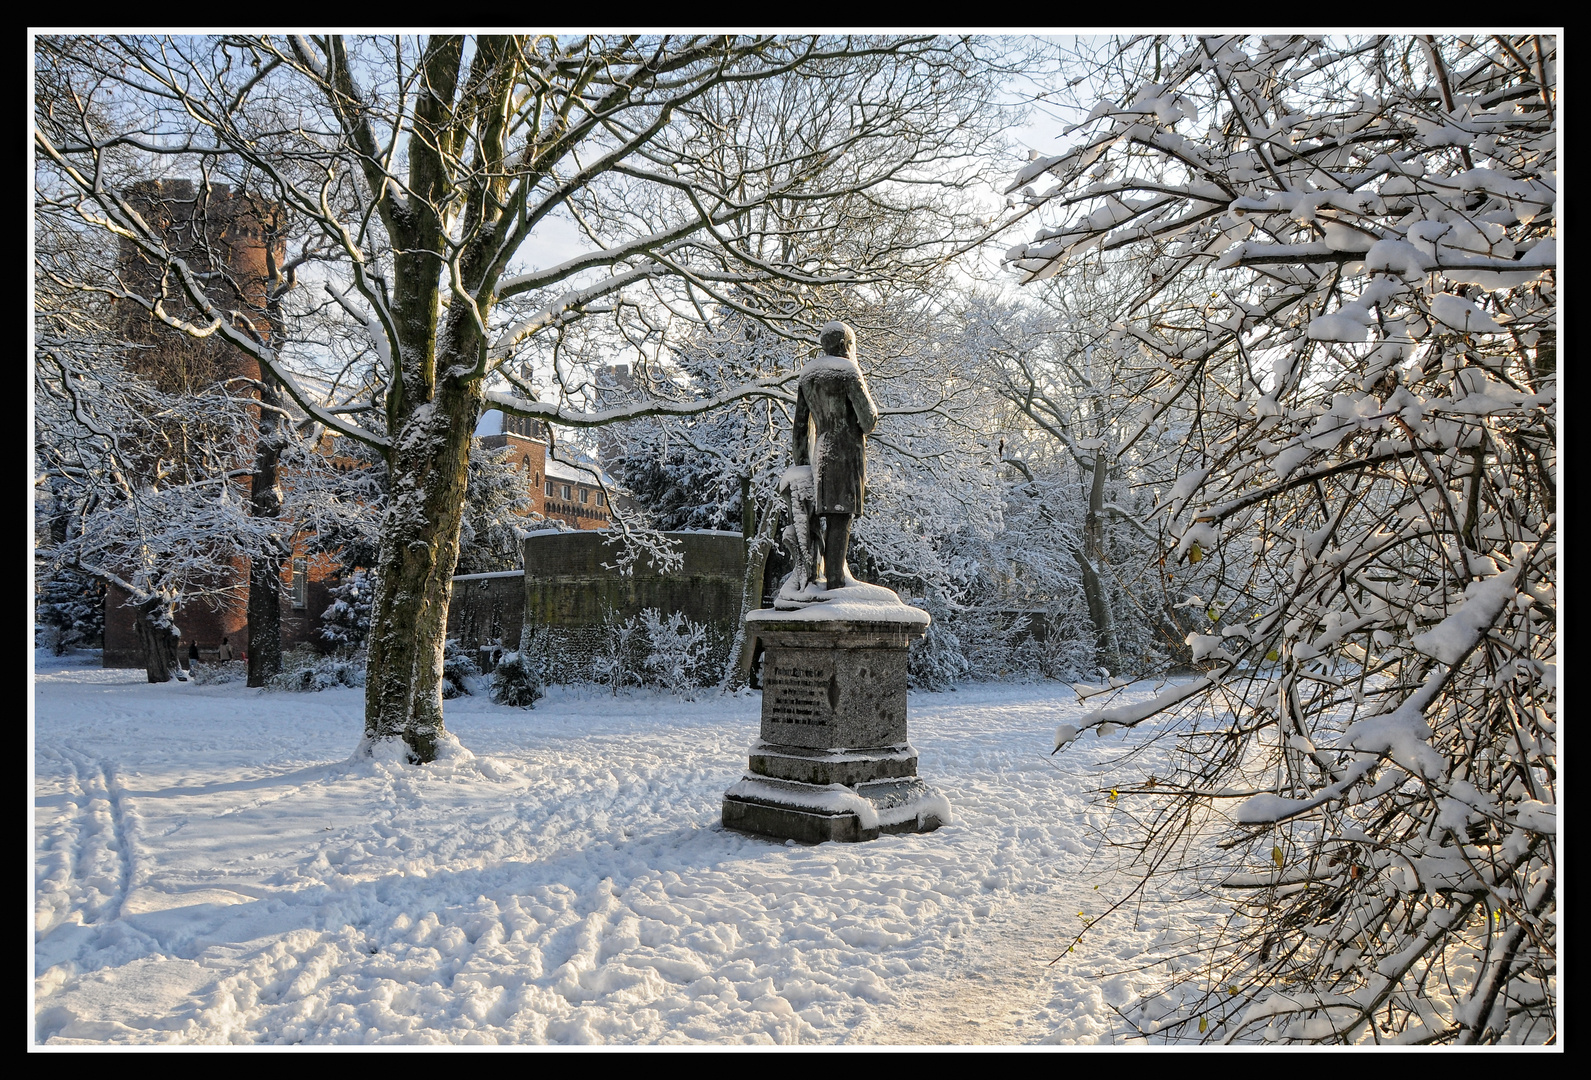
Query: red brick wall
<point>301,626</point>
<point>196,621</point>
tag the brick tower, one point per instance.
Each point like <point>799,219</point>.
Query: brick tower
<point>223,237</point>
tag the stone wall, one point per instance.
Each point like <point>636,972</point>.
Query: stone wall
<point>571,598</point>
<point>487,608</point>
<point>567,585</point>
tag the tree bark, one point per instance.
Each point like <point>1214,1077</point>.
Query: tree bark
<point>1093,587</point>
<point>265,569</point>
<point>157,633</point>
<point>743,649</point>
<point>417,557</point>
<point>429,469</point>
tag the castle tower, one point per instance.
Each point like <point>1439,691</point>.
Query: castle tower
<point>223,237</point>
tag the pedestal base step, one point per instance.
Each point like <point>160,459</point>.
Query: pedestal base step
<point>822,767</point>
<point>813,813</point>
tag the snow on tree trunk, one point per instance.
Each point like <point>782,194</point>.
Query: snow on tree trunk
<point>416,560</point>
<point>265,568</point>
<point>159,636</point>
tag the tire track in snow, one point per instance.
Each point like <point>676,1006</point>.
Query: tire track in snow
<point>121,832</point>
<point>103,851</point>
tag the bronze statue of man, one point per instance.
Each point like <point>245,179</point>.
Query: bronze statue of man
<point>832,400</point>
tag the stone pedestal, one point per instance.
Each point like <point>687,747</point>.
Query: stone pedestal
<point>833,762</point>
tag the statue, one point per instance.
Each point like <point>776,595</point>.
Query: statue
<point>831,399</point>
<point>832,761</point>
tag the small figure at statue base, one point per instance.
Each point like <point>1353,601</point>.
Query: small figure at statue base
<point>801,538</point>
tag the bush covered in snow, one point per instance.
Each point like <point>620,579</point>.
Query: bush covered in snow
<point>980,644</point>
<point>303,669</point>
<point>72,611</point>
<point>346,622</point>
<point>671,652</point>
<point>204,674</point>
<point>461,675</point>
<point>937,662</point>
<point>678,657</point>
<point>520,677</point>
<point>620,656</point>
<point>517,680</point>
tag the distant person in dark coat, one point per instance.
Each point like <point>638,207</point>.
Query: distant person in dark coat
<point>193,654</point>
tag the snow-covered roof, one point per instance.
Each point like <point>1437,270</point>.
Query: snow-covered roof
<point>490,423</point>
<point>563,470</point>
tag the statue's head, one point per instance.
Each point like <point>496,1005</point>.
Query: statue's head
<point>838,339</point>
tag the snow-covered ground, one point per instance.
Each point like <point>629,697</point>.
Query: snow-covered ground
<point>212,868</point>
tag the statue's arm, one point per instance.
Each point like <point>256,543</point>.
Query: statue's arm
<point>863,405</point>
<point>798,432</point>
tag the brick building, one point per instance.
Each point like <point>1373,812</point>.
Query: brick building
<point>558,489</point>
<point>225,237</point>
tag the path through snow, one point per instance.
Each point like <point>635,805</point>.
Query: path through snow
<point>211,868</point>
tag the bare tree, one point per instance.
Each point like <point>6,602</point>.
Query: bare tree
<point>145,486</point>
<point>1079,401</point>
<point>1366,376</point>
<point>697,172</point>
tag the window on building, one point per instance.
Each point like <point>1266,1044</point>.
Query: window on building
<point>566,491</point>
<point>602,500</point>
<point>301,583</point>
<point>584,494</point>
<point>549,489</point>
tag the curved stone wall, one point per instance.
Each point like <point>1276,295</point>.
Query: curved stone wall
<point>567,592</point>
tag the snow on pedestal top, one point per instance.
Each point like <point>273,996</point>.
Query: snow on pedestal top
<point>857,601</point>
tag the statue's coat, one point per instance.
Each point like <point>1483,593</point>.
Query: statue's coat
<point>832,394</point>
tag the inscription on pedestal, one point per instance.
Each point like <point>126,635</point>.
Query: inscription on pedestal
<point>804,694</point>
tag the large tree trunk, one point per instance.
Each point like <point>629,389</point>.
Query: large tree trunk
<point>265,569</point>
<point>435,398</point>
<point>418,554</point>
<point>157,633</point>
<point>1089,559</point>
<point>743,649</point>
